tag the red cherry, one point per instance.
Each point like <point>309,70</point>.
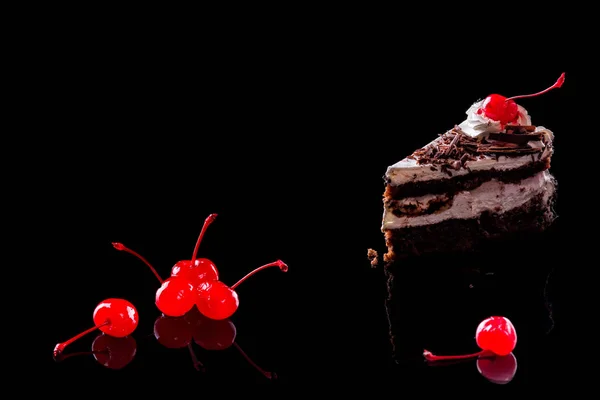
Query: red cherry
<point>499,108</point>
<point>115,317</point>
<point>197,269</point>
<point>500,370</point>
<point>496,336</point>
<point>216,300</point>
<point>112,352</point>
<point>202,270</point>
<point>175,296</point>
<point>172,332</point>
<point>505,110</point>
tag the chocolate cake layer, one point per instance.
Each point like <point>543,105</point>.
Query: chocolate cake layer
<point>464,182</point>
<point>458,235</point>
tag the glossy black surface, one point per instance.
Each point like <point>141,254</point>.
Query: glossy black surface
<point>291,157</point>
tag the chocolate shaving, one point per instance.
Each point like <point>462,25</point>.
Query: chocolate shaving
<point>522,138</point>
<point>520,128</point>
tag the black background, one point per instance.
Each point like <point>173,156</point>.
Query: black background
<point>287,140</point>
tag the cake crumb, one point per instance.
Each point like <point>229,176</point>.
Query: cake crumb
<point>373,257</point>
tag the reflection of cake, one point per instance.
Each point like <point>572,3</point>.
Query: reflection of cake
<point>488,177</point>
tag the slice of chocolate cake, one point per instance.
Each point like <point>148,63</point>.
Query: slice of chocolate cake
<point>478,197</point>
<point>484,179</point>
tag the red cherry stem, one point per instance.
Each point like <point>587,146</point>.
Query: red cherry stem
<point>209,220</point>
<point>282,266</point>
<point>559,83</point>
<point>121,247</point>
<point>197,364</point>
<point>60,347</point>
<point>429,356</point>
<point>267,374</point>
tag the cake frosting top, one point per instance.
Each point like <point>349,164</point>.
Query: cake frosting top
<point>478,124</point>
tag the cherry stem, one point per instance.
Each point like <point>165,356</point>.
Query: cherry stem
<point>60,347</point>
<point>121,247</point>
<point>197,364</point>
<point>429,356</point>
<point>559,83</point>
<point>267,374</point>
<point>282,266</point>
<point>209,220</point>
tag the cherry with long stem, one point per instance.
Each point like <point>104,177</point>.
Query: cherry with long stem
<point>114,317</point>
<point>218,301</point>
<point>197,270</point>
<point>267,374</point>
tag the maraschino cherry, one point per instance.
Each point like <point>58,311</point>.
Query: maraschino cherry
<point>175,296</point>
<point>114,317</point>
<point>500,370</point>
<point>197,270</point>
<point>495,336</point>
<point>505,110</point>
<point>218,301</point>
<point>111,352</point>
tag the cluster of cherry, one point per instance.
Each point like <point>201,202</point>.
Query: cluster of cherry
<point>193,284</point>
<point>173,333</point>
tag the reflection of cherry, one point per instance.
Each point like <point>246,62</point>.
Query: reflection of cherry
<point>172,332</point>
<point>115,317</point>
<point>496,336</point>
<point>211,334</point>
<point>112,352</point>
<point>499,369</point>
<point>218,301</point>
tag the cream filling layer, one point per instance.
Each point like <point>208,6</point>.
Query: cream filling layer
<point>493,195</point>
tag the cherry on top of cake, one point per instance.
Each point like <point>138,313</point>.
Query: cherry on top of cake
<point>496,125</point>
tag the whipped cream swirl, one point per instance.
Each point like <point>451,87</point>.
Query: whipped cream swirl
<point>478,125</point>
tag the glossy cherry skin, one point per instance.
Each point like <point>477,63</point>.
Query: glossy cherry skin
<point>211,334</point>
<point>499,369</point>
<point>114,352</point>
<point>123,317</point>
<point>216,300</point>
<point>172,332</point>
<point>498,108</point>
<point>202,270</point>
<point>175,297</point>
<point>496,334</point>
